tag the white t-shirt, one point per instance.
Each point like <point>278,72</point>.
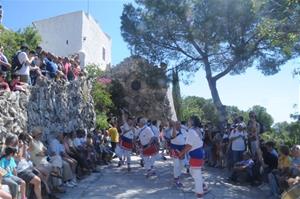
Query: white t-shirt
<point>145,135</point>
<point>155,131</point>
<point>237,144</point>
<point>23,58</point>
<point>128,134</point>
<point>179,139</point>
<point>193,139</point>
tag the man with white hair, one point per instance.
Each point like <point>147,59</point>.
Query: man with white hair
<point>149,146</point>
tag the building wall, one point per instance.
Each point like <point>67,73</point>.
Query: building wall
<point>96,44</point>
<point>75,32</point>
<point>61,34</point>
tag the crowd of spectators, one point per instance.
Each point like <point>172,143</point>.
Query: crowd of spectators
<point>249,158</point>
<point>30,65</point>
<point>34,166</point>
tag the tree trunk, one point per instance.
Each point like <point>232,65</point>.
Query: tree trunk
<point>217,101</point>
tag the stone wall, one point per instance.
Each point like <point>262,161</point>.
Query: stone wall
<point>54,106</point>
<point>145,88</point>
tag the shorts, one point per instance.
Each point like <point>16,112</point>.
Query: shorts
<point>27,175</point>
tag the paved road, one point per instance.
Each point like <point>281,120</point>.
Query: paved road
<point>117,183</point>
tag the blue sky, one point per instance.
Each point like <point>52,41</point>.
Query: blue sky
<point>278,93</point>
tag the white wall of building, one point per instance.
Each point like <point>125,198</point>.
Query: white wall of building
<point>73,33</point>
<point>96,44</point>
<point>61,34</point>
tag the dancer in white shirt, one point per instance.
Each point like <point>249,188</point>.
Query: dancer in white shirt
<point>125,146</point>
<point>194,146</point>
<point>149,146</point>
<point>177,145</point>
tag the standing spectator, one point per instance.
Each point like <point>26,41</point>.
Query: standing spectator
<point>23,66</point>
<point>114,135</point>
<point>4,65</point>
<point>237,139</point>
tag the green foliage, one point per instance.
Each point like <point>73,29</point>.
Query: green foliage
<point>102,98</point>
<point>117,95</point>
<point>94,71</point>
<point>101,121</point>
<point>206,110</point>
<point>284,133</point>
<point>200,107</point>
<point>11,41</point>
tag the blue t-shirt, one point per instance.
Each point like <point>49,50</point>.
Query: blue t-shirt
<point>51,67</point>
<point>8,165</point>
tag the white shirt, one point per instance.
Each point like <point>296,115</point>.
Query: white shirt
<point>23,58</point>
<point>179,139</point>
<point>145,135</point>
<point>237,144</point>
<point>128,134</point>
<point>193,139</point>
<point>155,131</point>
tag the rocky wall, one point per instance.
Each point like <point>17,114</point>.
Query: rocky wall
<point>54,106</point>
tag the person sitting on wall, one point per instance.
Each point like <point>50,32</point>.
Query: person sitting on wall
<point>4,87</point>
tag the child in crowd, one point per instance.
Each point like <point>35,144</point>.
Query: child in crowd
<point>11,179</point>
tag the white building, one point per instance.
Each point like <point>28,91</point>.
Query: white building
<point>76,32</point>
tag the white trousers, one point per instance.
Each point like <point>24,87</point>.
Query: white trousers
<point>177,167</point>
<point>197,176</point>
<point>149,162</point>
<point>123,154</point>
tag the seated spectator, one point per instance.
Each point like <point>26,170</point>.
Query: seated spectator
<point>57,150</point>
<point>4,65</point>
<point>25,167</point>
<point>4,87</point>
<point>38,155</point>
<point>17,85</point>
<point>243,167</point>
<point>3,194</point>
<point>77,155</point>
<point>11,179</point>
<point>50,66</point>
<point>277,176</point>
<point>270,157</point>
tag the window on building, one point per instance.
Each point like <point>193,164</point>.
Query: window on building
<point>103,54</point>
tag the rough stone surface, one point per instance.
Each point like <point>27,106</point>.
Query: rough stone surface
<point>55,106</point>
<point>150,98</point>
<point>117,183</point>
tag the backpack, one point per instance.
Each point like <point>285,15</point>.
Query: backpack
<point>16,65</point>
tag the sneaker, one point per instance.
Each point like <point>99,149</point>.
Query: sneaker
<point>199,196</point>
<point>164,158</point>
